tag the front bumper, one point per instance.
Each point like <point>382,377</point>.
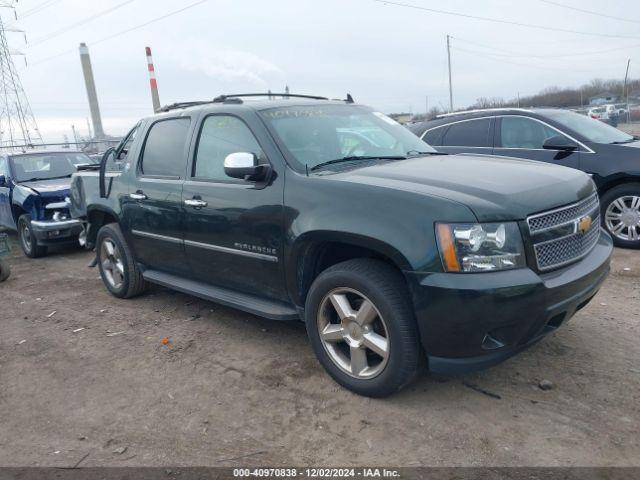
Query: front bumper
<point>50,232</point>
<point>471,321</point>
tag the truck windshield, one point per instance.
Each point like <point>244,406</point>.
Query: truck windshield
<point>44,166</point>
<point>591,129</point>
<point>319,134</point>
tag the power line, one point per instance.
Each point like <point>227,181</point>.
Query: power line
<point>37,8</point>
<point>122,32</point>
<point>510,53</point>
<point>491,56</point>
<point>590,12</point>
<point>79,23</point>
<point>504,22</point>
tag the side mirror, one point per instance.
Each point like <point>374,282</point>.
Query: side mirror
<point>123,154</point>
<point>559,142</point>
<point>246,166</point>
<point>3,181</point>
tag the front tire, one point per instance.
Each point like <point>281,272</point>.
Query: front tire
<point>621,214</point>
<point>28,241</point>
<point>118,268</point>
<point>362,328</point>
<point>5,270</point>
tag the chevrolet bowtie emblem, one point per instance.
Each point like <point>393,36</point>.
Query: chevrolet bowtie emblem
<point>584,224</point>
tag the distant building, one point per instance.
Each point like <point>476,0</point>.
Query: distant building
<point>603,98</point>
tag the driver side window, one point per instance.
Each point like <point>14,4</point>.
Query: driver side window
<point>222,135</point>
<point>524,133</point>
<point>116,161</point>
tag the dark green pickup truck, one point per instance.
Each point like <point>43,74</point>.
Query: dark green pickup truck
<point>396,257</point>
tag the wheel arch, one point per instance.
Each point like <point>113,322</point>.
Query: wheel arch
<point>98,217</point>
<point>618,181</point>
<point>314,252</point>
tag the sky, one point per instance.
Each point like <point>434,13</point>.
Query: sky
<point>386,55</point>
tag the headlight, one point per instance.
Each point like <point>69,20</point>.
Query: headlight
<point>60,216</point>
<point>480,247</point>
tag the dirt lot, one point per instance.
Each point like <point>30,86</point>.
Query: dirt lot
<point>233,389</point>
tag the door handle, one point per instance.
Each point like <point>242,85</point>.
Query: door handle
<point>139,195</point>
<point>195,203</point>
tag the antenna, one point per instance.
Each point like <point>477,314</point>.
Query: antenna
<point>17,123</point>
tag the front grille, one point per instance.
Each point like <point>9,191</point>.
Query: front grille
<point>562,216</point>
<point>552,245</point>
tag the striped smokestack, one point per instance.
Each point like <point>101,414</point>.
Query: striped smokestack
<point>155,98</point>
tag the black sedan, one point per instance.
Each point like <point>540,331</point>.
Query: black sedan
<point>562,137</point>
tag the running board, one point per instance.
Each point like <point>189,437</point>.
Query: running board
<point>271,309</point>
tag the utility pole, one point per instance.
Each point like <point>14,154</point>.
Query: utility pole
<point>625,93</point>
<point>449,63</point>
<point>75,135</point>
<point>426,106</point>
<point>518,99</point>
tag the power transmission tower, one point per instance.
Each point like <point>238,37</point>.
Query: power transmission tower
<point>17,124</point>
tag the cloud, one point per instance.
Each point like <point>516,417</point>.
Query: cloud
<point>225,64</point>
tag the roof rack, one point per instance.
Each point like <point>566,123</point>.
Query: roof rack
<point>237,98</point>
<point>174,106</point>
<point>480,110</point>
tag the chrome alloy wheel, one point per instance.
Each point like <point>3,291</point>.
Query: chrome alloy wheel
<point>622,218</point>
<point>111,262</point>
<point>353,333</point>
<point>25,236</point>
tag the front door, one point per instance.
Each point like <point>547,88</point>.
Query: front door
<point>232,227</point>
<point>153,211</point>
<point>519,136</point>
<point>6,218</point>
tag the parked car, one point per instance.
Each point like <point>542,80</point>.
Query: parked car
<point>393,254</point>
<point>598,113</point>
<point>610,156</point>
<point>34,189</point>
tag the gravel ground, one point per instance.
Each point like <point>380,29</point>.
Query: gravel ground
<point>94,383</point>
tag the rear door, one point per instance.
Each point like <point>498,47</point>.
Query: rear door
<point>233,228</point>
<point>153,212</point>
<point>467,136</point>
<point>523,137</point>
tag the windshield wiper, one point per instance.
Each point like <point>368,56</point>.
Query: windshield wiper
<point>416,153</point>
<point>620,142</point>
<point>357,157</point>
<point>35,179</point>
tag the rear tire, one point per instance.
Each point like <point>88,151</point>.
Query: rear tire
<point>374,314</point>
<point>28,241</point>
<point>118,268</point>
<point>621,214</point>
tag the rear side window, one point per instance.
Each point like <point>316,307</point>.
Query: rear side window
<point>434,137</point>
<point>164,149</point>
<point>471,133</point>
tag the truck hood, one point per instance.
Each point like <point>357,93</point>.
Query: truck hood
<point>494,188</point>
<point>56,187</point>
